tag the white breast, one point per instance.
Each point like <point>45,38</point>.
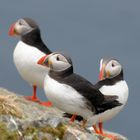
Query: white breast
<point>65,98</point>
<point>121,90</point>
<point>25,58</point>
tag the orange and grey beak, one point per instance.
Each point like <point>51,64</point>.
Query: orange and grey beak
<point>101,74</point>
<point>12,31</point>
<point>44,61</point>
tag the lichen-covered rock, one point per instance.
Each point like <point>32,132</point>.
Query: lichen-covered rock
<point>24,120</point>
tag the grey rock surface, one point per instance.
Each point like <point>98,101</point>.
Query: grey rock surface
<point>25,120</point>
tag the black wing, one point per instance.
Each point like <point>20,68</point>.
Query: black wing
<point>85,88</point>
<point>94,97</point>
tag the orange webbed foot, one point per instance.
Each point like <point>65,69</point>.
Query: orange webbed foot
<point>111,136</point>
<point>101,132</point>
<point>47,104</point>
<point>32,98</point>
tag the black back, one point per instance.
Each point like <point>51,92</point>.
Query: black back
<point>33,39</point>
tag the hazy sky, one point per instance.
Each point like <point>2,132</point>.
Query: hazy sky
<point>87,30</point>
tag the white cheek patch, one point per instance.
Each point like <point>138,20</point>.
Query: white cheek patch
<point>23,28</point>
<point>60,66</point>
<point>116,71</point>
<point>23,22</point>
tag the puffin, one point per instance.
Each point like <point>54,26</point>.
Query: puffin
<point>111,82</point>
<point>26,53</point>
<point>71,92</point>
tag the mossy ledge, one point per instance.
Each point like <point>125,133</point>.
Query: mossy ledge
<point>6,134</point>
<point>24,120</point>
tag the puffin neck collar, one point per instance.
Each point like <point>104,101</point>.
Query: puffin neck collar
<point>61,74</point>
<point>115,79</point>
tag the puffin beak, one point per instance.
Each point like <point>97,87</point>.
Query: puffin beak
<point>101,74</point>
<point>44,61</point>
<point>12,30</point>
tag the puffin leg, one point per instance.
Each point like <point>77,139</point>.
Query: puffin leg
<point>112,137</point>
<point>100,127</point>
<point>95,129</point>
<point>72,119</point>
<point>33,97</point>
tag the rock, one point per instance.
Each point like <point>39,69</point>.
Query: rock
<point>25,120</point>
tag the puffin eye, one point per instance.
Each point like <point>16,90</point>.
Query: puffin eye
<point>20,23</point>
<point>57,58</point>
<point>113,65</point>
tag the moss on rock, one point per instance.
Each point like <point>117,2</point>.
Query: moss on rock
<point>57,132</point>
<point>7,135</point>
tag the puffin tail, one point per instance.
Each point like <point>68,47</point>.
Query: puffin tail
<point>109,98</point>
<point>108,103</point>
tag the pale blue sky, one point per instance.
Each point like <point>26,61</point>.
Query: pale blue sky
<point>87,30</point>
